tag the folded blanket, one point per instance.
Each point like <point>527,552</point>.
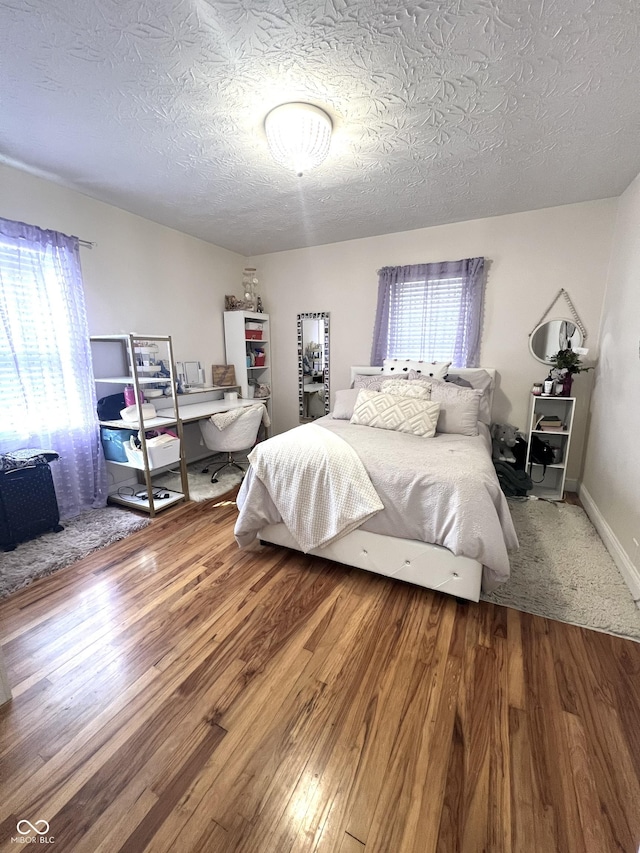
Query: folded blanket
<point>317,482</point>
<point>225,419</point>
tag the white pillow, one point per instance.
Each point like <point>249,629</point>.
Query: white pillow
<point>406,389</point>
<point>402,366</point>
<point>344,404</point>
<point>403,414</point>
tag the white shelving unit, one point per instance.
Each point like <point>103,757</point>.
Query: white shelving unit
<point>242,349</point>
<point>549,480</point>
<point>128,354</point>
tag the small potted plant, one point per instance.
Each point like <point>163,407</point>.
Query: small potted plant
<point>566,363</point>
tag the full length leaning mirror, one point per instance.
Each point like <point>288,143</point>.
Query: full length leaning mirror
<point>313,365</point>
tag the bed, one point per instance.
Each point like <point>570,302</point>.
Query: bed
<point>443,521</point>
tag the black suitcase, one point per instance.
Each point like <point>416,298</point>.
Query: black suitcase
<point>28,504</point>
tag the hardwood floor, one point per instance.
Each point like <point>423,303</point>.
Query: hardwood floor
<point>172,693</point>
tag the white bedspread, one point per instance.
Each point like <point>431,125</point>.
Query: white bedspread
<point>316,482</point>
<point>442,490</point>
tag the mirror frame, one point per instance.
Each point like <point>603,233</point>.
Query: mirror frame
<point>313,315</point>
<point>544,323</point>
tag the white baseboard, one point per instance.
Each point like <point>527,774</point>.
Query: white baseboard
<point>629,571</point>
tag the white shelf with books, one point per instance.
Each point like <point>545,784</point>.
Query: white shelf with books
<point>248,349</point>
<point>548,444</point>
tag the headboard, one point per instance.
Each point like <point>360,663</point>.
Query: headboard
<point>457,371</point>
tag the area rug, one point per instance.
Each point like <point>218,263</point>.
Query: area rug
<point>52,551</point>
<point>200,486</point>
<point>564,572</point>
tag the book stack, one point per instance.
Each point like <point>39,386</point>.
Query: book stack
<point>551,422</point>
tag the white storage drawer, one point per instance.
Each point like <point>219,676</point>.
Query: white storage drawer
<point>165,454</point>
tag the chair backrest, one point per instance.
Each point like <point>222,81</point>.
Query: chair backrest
<point>240,435</point>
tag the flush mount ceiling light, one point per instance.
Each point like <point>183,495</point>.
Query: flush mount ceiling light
<point>298,135</point>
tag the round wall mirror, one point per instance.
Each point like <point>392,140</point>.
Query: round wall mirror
<point>551,336</point>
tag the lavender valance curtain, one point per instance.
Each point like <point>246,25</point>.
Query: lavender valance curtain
<point>431,312</point>
<point>47,396</point>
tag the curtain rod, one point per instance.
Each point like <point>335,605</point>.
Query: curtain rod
<point>87,244</point>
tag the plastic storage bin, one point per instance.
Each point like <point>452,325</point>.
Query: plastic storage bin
<point>159,457</point>
<point>114,441</point>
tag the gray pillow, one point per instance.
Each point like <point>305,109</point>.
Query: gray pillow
<point>482,381</point>
<point>344,404</point>
<point>459,407</point>
<point>458,380</point>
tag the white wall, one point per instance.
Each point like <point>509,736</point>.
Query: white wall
<point>611,477</point>
<point>141,277</point>
<point>145,277</point>
<point>531,256</point>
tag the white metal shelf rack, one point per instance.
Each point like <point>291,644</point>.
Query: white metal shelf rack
<point>126,359</point>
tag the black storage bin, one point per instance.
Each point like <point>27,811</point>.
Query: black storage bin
<point>28,504</point>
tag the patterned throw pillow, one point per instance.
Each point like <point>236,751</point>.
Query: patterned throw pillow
<point>400,366</point>
<point>407,389</point>
<point>403,414</point>
<point>372,383</point>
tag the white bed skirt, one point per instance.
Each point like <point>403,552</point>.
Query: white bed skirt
<point>419,563</point>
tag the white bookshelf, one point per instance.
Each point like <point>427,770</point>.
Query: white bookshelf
<point>549,480</point>
<point>242,349</point>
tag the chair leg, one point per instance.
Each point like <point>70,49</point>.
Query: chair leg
<point>230,463</point>
<point>214,459</point>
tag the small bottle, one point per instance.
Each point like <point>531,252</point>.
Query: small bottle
<point>548,385</point>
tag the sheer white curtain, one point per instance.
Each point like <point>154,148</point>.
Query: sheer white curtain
<point>47,396</point>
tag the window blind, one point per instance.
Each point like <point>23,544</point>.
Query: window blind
<point>430,312</point>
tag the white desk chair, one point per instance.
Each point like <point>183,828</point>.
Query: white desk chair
<point>240,435</point>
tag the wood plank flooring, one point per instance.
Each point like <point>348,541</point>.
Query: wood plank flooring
<point>172,693</point>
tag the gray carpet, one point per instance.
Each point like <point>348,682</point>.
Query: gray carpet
<point>52,551</point>
<point>200,486</point>
<point>564,572</point>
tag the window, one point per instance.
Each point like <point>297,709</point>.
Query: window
<point>35,368</point>
<point>47,397</point>
<point>431,312</point>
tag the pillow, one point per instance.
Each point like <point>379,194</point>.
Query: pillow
<point>414,376</point>
<point>372,383</point>
<point>480,379</point>
<point>457,380</point>
<point>407,389</point>
<point>403,414</point>
<point>459,408</point>
<point>344,403</point>
<point>399,366</point>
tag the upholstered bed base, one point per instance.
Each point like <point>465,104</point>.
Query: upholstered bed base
<point>419,563</point>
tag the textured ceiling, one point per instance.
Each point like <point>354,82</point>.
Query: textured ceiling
<point>443,110</point>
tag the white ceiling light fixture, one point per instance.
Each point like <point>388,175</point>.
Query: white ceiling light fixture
<point>299,136</point>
